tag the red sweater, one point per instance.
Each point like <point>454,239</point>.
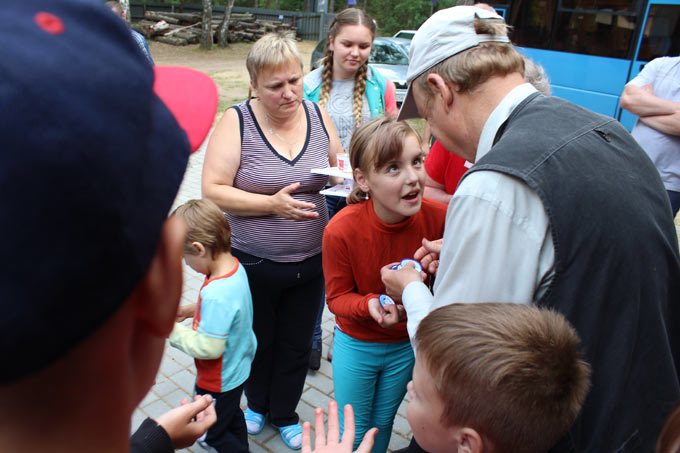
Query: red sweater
<point>356,244</point>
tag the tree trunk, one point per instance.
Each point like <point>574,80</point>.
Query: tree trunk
<point>331,6</point>
<point>125,4</point>
<point>276,4</point>
<point>223,33</point>
<point>305,8</point>
<point>206,33</point>
<point>268,5</point>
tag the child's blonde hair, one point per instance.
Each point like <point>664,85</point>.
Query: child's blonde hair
<point>349,16</point>
<point>375,144</point>
<point>206,224</point>
<point>512,372</point>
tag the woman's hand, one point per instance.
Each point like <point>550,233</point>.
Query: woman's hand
<point>284,205</point>
<point>386,317</point>
<point>332,444</point>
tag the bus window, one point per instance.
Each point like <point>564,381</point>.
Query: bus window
<point>662,33</point>
<point>591,27</point>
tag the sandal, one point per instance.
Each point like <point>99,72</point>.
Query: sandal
<point>254,421</point>
<point>291,435</point>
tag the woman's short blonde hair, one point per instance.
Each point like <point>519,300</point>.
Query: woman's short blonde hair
<point>270,51</point>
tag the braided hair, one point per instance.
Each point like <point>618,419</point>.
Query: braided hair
<point>349,16</point>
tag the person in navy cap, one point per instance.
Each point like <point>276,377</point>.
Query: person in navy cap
<point>96,143</point>
<point>561,209</point>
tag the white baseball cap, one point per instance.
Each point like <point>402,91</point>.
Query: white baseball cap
<point>446,33</point>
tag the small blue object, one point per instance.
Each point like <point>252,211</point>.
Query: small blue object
<point>385,300</point>
<point>416,264</point>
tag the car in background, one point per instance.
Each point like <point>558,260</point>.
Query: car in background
<point>389,57</point>
<point>405,34</point>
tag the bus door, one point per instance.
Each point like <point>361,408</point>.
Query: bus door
<point>660,37</point>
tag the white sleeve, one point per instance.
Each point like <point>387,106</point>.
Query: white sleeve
<point>417,300</point>
<point>646,76</point>
<point>497,243</point>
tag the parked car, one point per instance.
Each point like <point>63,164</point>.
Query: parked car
<point>405,34</point>
<point>389,56</point>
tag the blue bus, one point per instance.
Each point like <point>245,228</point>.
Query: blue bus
<point>592,48</point>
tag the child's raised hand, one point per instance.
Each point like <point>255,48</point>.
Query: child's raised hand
<point>386,317</point>
<point>185,311</point>
<point>188,422</point>
<point>428,255</point>
<point>332,444</point>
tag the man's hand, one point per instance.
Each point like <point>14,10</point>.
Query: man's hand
<point>188,422</point>
<point>396,280</point>
<point>428,255</point>
<point>388,316</point>
<point>332,444</point>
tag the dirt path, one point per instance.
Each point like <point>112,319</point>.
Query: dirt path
<point>226,66</point>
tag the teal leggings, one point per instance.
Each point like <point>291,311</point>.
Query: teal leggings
<point>372,377</point>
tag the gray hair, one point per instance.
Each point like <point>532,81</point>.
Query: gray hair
<point>535,75</point>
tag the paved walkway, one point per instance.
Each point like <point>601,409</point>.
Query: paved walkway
<point>177,373</point>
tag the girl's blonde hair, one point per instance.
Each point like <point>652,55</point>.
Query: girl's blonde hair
<point>349,16</point>
<point>375,144</point>
<point>270,51</point>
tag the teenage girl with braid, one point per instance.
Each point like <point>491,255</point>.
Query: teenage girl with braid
<point>352,93</point>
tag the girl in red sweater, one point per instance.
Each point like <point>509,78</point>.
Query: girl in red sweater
<point>384,223</point>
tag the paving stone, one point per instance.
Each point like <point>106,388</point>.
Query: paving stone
<point>305,412</point>
<point>320,381</point>
<point>169,366</point>
<point>397,442</point>
<point>149,398</point>
<point>156,408</point>
<point>185,380</point>
<point>315,398</point>
<point>175,398</point>
<point>401,425</point>
<point>402,408</point>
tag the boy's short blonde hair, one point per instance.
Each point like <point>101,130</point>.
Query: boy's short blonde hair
<point>206,224</point>
<point>512,372</point>
<point>270,51</point>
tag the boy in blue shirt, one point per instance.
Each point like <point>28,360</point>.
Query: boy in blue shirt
<point>221,338</point>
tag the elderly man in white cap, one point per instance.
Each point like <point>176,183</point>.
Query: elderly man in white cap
<point>561,209</point>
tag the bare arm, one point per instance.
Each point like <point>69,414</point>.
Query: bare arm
<point>436,191</point>
<point>222,160</point>
<point>641,101</point>
<point>668,124</point>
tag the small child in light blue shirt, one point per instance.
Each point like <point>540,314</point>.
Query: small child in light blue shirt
<point>221,338</point>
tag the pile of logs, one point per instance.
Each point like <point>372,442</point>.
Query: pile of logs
<point>180,29</point>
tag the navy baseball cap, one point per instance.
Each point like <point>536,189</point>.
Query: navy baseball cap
<point>96,143</point>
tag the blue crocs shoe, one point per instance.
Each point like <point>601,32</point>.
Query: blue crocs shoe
<point>291,435</point>
<point>254,421</point>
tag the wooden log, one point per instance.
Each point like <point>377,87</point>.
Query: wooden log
<point>159,28</point>
<point>191,38</point>
<point>175,41</point>
<point>183,18</point>
<point>156,16</point>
